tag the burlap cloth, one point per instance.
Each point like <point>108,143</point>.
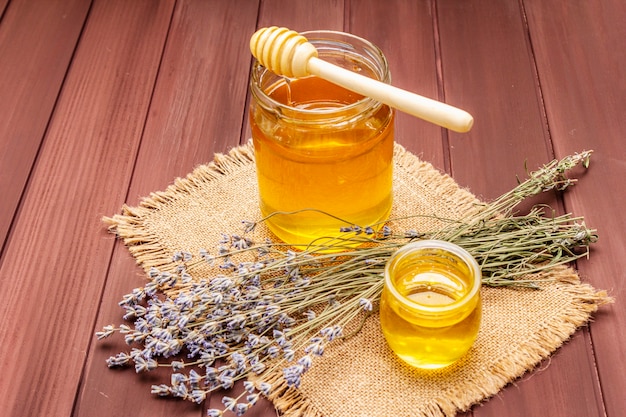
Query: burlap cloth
<point>361,376</point>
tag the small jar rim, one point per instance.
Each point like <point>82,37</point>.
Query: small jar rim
<point>365,102</point>
<point>456,250</point>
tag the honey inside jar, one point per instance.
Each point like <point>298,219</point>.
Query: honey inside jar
<point>430,309</point>
<point>320,148</point>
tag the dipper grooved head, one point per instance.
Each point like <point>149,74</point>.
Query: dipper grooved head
<point>282,51</point>
<point>287,53</point>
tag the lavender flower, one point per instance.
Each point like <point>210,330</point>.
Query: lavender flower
<point>256,315</point>
<point>241,242</point>
<point>206,256</point>
<point>412,234</point>
<point>265,388</point>
<point>198,396</point>
<point>241,408</point>
<point>121,359</point>
<point>252,399</point>
<point>229,403</point>
<point>258,368</point>
<point>143,365</point>
<point>366,304</point>
<point>161,390</point>
<point>293,375</point>
<point>316,347</point>
<point>248,226</point>
<point>248,386</point>
<point>306,362</point>
<point>107,331</point>
<point>226,381</point>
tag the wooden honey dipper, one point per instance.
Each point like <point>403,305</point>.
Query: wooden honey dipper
<point>287,53</point>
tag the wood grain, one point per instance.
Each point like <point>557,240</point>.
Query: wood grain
<point>3,6</point>
<point>54,274</point>
<point>509,132</point>
<point>412,56</point>
<point>200,97</point>
<point>206,55</point>
<point>37,40</point>
<point>488,69</point>
<point>583,77</point>
<point>105,101</point>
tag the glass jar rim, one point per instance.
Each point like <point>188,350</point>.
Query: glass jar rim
<point>365,103</point>
<point>456,250</point>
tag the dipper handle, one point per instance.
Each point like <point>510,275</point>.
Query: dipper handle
<point>287,53</point>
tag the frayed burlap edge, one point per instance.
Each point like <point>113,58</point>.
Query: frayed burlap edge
<point>585,301</point>
<point>149,252</point>
<point>464,201</point>
<point>146,247</point>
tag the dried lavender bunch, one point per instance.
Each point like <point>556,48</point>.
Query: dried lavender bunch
<point>269,311</point>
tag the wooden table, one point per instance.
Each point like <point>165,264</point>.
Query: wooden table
<point>105,101</point>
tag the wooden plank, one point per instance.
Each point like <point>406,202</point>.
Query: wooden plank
<point>200,97</point>
<point>122,392</point>
<point>302,15</point>
<point>582,61</point>
<point>3,5</point>
<point>57,260</point>
<point>196,110</point>
<point>37,40</point>
<point>411,53</point>
<point>488,69</point>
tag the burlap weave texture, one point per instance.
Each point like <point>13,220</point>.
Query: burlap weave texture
<point>361,376</point>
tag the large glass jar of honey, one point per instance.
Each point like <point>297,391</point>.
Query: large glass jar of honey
<point>430,308</point>
<point>323,153</point>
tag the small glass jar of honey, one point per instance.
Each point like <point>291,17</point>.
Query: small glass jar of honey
<point>323,153</point>
<point>430,308</point>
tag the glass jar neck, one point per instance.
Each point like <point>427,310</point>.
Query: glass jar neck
<point>420,252</point>
<point>342,49</point>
